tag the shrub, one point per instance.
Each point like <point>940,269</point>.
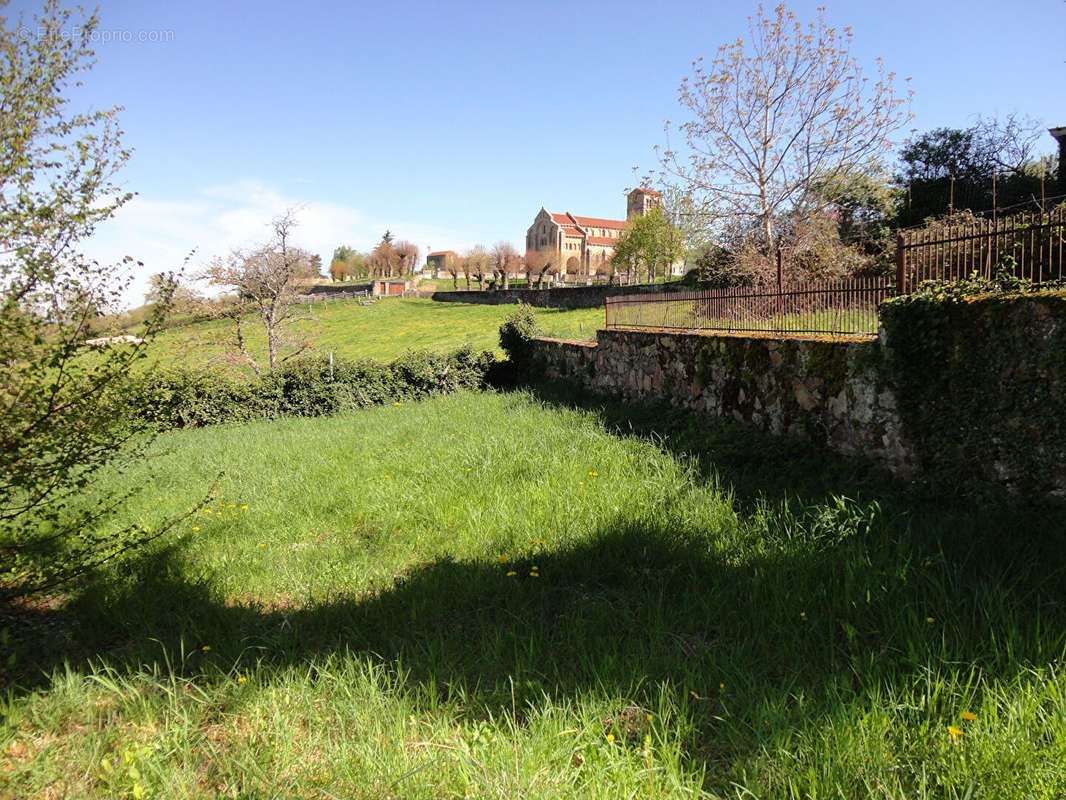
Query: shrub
<point>306,387</point>
<point>516,333</point>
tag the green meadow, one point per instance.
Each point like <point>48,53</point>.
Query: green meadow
<point>382,330</point>
<point>513,596</point>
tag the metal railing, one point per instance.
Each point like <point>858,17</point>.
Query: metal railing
<point>1035,243</point>
<point>846,307</point>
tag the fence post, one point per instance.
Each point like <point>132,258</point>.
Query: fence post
<point>900,261</point>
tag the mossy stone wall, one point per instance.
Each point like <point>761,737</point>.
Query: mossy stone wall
<point>972,389</point>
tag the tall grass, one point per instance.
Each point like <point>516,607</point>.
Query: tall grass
<point>491,596</point>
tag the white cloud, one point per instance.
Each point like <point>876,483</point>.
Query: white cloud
<point>161,232</point>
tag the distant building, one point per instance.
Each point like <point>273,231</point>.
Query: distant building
<point>441,260</point>
<point>585,244</point>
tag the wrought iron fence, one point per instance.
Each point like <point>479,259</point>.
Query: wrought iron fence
<point>1034,242</point>
<point>846,307</point>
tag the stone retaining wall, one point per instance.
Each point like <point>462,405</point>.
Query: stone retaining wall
<point>831,392</point>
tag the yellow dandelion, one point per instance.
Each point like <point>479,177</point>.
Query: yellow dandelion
<point>196,527</point>
<point>803,614</point>
<point>534,568</point>
<point>534,575</point>
<point>208,511</point>
<point>955,732</point>
<point>468,469</point>
<point>651,717</point>
<point>930,620</point>
<point>580,483</point>
<point>241,679</point>
<point>244,508</point>
<point>721,686</point>
<point>261,545</point>
<point>610,737</point>
<point>397,403</point>
<point>206,648</point>
<point>969,716</point>
<point>511,574</point>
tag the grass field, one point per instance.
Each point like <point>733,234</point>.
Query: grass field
<point>381,331</point>
<point>499,596</point>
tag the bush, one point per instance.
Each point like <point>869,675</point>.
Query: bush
<point>307,387</point>
<point>516,333</point>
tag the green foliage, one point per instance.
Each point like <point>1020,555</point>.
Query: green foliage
<point>649,243</point>
<point>516,333</point>
<point>979,368</point>
<point>306,387</point>
<point>61,400</point>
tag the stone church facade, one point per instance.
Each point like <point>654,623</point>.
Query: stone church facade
<point>585,244</point>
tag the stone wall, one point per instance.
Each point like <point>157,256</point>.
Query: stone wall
<point>828,391</point>
<point>561,297</point>
<point>964,389</point>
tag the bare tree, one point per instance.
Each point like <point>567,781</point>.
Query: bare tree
<point>503,257</point>
<point>542,262</point>
<point>384,261</point>
<point>407,255</point>
<point>773,115</point>
<point>264,279</point>
<point>478,264</point>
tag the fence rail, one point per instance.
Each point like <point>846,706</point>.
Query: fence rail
<point>1036,241</point>
<point>847,307</point>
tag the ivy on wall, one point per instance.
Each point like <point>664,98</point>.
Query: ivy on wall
<point>979,371</point>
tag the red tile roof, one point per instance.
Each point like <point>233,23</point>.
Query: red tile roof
<point>602,240</point>
<point>596,222</point>
<point>441,253</point>
<point>646,190</point>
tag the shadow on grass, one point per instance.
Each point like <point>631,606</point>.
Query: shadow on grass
<point>808,606</point>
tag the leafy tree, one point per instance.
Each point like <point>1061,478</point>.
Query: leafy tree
<point>64,412</point>
<point>387,237</point>
<point>649,242</point>
<point>771,116</point>
<point>991,163</point>
<point>265,280</point>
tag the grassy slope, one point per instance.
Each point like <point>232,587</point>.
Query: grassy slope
<point>382,331</point>
<point>354,631</point>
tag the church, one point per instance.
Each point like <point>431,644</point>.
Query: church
<point>585,244</point>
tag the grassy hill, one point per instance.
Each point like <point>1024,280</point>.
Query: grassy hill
<point>488,595</point>
<point>381,331</point>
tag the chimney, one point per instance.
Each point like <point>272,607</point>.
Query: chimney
<point>1060,136</point>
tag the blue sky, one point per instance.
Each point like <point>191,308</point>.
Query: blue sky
<point>452,124</point>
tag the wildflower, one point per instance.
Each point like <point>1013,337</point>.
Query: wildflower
<point>534,568</point>
<point>386,476</point>
<point>930,620</point>
<point>721,686</point>
<point>511,574</point>
<point>397,403</point>
<point>241,679</point>
<point>261,544</point>
<point>206,648</point>
<point>803,614</point>
<point>969,716</point>
<point>594,474</point>
<point>955,732</point>
<point>580,483</point>
<point>208,511</point>
<point>468,469</point>
<point>244,508</point>
<point>196,527</point>
<point>651,717</point>
<point>534,575</point>
<point>610,737</point>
